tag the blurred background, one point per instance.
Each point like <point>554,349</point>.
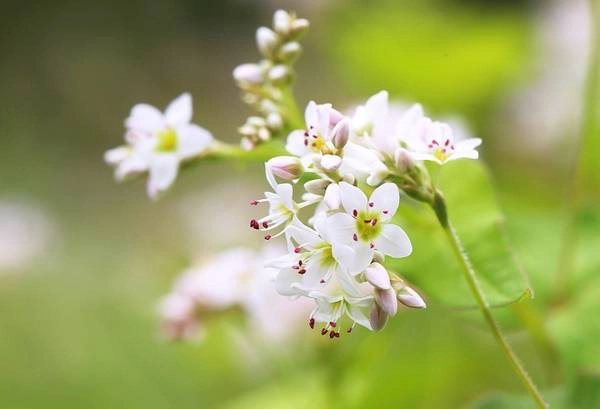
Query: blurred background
<point>84,261</point>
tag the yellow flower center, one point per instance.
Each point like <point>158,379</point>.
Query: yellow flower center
<point>167,141</point>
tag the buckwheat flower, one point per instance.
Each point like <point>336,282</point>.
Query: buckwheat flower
<point>179,320</point>
<point>317,143</point>
<point>365,224</point>
<point>436,141</point>
<point>158,143</point>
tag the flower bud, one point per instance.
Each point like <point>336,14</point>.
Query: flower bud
<point>332,197</point>
<point>256,121</point>
<point>341,133</point>
<point>411,298</point>
<point>403,160</point>
<point>387,300</point>
<point>378,257</point>
<point>317,186</point>
<point>282,22</point>
<point>377,317</point>
<point>299,26</point>
<point>266,40</point>
<point>247,144</point>
<point>247,130</point>
<point>378,276</point>
<point>248,74</point>
<point>330,163</point>
<point>274,120</point>
<point>290,51</point>
<point>267,105</point>
<point>264,134</point>
<point>349,178</point>
<point>279,74</point>
<point>286,167</point>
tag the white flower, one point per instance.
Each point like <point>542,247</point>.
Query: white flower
<point>158,142</point>
<point>317,143</point>
<point>179,319</point>
<point>437,142</point>
<point>366,226</point>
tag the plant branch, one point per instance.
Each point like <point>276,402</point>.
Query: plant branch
<point>439,207</point>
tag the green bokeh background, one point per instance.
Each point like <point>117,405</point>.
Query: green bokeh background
<point>78,328</point>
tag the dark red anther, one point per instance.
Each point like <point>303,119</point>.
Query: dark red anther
<point>306,142</point>
<point>385,212</point>
<point>323,331</point>
<point>322,281</point>
<point>311,323</point>
<point>315,136</point>
<point>331,334</point>
<point>354,237</point>
<point>367,221</point>
<point>349,330</point>
<point>301,271</point>
<point>265,224</point>
<point>297,250</point>
<point>447,142</point>
<point>354,212</point>
<point>254,224</point>
<point>300,262</point>
<point>337,334</point>
<point>268,237</point>
<point>296,267</point>
<point>452,147</point>
<point>253,202</point>
<point>371,204</point>
<point>374,222</point>
<point>372,245</point>
<point>333,324</point>
<point>434,142</point>
<point>306,133</point>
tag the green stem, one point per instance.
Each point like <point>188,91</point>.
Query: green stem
<point>295,117</point>
<point>439,206</point>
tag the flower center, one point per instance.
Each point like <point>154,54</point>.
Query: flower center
<point>167,141</point>
<point>315,142</point>
<point>368,225</point>
<point>441,150</point>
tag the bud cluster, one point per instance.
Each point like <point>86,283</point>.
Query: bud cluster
<point>264,83</point>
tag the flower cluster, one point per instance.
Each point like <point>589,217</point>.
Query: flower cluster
<point>235,278</point>
<point>337,257</point>
<point>157,143</point>
<point>264,84</point>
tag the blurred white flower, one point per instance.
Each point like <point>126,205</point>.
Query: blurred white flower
<point>157,143</point>
<point>26,233</point>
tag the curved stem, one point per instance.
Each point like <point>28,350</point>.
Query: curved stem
<point>439,206</point>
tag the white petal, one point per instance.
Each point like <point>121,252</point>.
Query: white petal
<point>352,198</point>
<point>341,227</point>
<point>358,316</point>
<point>295,143</point>
<point>302,234</point>
<point>387,300</point>
<point>468,144</point>
<point>145,118</point>
<point>323,112</point>
<point>285,280</point>
<point>311,116</point>
<point>332,196</point>
<point>393,241</point>
<point>163,171</point>
<point>472,154</point>
<point>116,155</point>
<point>179,111</point>
<point>377,105</point>
<point>330,162</point>
<point>286,193</point>
<point>131,166</point>
<point>363,256</point>
<point>192,140</point>
<point>378,276</point>
<point>386,199</point>
<point>343,254</point>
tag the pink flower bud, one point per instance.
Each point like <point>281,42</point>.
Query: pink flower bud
<point>248,74</point>
<point>378,276</point>
<point>377,317</point>
<point>411,298</point>
<point>286,167</point>
<point>341,132</point>
<point>281,22</point>
<point>386,299</point>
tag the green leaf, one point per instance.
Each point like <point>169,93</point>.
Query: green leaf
<point>475,214</point>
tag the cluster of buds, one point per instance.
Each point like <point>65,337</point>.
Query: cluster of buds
<point>263,83</point>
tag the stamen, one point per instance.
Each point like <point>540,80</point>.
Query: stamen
<point>354,237</point>
<point>265,224</point>
<point>371,204</point>
<point>306,142</point>
<point>322,281</point>
<point>302,271</point>
<point>253,202</point>
<point>349,330</point>
<point>374,222</point>
<point>385,212</point>
<point>297,250</point>
<point>296,267</point>
<point>372,245</point>
<point>447,142</point>
<point>367,221</point>
<point>311,323</point>
<point>268,237</point>
<point>332,334</point>
<point>333,324</point>
<point>355,213</point>
<point>323,331</point>
<point>254,224</point>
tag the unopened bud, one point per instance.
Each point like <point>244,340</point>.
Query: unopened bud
<point>286,167</point>
<point>256,121</point>
<point>411,298</point>
<point>330,163</point>
<point>299,26</point>
<point>267,105</point>
<point>247,130</point>
<point>266,40</point>
<point>332,197</point>
<point>377,317</point>
<point>282,22</point>
<point>349,178</point>
<point>387,300</point>
<point>279,74</point>
<point>290,51</point>
<point>264,134</point>
<point>341,133</point>
<point>247,144</point>
<point>403,160</point>
<point>274,120</point>
<point>250,74</point>
<point>378,276</point>
<point>317,186</point>
<point>378,256</point>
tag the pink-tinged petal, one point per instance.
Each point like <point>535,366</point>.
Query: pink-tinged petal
<point>335,117</point>
<point>330,163</point>
<point>407,124</point>
<point>286,193</point>
<point>377,105</point>
<point>131,166</point>
<point>340,228</point>
<point>387,300</point>
<point>192,140</point>
<point>358,316</point>
<point>378,276</point>
<point>145,118</point>
<point>377,317</point>
<point>393,241</point>
<point>323,111</point>
<point>295,143</point>
<point>352,198</point>
<point>385,199</point>
<point>116,155</point>
<point>163,171</point>
<point>179,111</point>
